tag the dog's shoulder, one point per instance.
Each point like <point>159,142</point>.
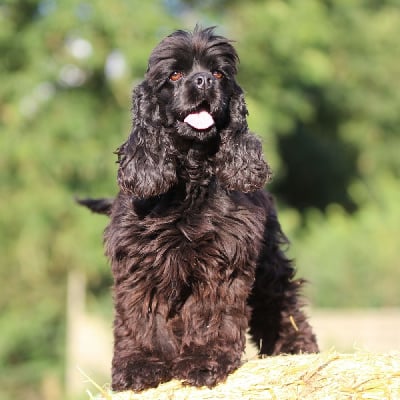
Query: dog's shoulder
<point>259,199</point>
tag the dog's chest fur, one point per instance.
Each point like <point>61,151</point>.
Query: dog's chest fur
<point>172,254</point>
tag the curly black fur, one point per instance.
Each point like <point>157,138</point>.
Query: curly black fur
<point>194,242</point>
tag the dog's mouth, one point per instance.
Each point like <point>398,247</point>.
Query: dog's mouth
<point>200,119</point>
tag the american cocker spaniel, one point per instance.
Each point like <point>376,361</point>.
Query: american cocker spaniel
<point>194,241</point>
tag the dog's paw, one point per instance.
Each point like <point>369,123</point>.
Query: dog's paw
<point>138,375</point>
<point>204,370</point>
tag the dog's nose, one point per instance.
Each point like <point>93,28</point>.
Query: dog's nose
<point>203,80</point>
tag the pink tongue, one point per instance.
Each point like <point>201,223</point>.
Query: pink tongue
<point>200,120</point>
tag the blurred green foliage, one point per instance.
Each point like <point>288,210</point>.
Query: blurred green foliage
<point>321,79</point>
<point>350,262</point>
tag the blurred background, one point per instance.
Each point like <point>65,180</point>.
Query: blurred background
<point>322,84</point>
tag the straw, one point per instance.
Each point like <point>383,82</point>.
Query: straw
<point>326,376</point>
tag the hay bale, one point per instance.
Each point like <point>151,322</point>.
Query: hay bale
<point>313,376</point>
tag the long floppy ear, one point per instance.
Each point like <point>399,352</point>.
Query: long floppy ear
<point>239,162</point>
<point>146,160</point>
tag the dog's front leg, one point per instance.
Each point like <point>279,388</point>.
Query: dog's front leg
<point>143,349</point>
<point>213,335</point>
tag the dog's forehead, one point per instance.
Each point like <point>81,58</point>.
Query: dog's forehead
<point>182,50</point>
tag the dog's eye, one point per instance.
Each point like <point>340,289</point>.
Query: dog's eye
<point>175,76</point>
<point>218,74</point>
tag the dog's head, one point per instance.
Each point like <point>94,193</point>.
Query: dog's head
<point>193,79</point>
<point>190,93</point>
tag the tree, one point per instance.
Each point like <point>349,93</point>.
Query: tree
<point>66,72</point>
<point>322,79</point>
<point>323,74</point>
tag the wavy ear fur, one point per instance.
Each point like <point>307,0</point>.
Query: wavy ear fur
<point>240,164</point>
<point>147,165</point>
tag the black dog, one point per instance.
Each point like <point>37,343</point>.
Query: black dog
<point>194,241</point>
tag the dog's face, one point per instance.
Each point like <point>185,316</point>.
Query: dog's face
<point>192,76</point>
